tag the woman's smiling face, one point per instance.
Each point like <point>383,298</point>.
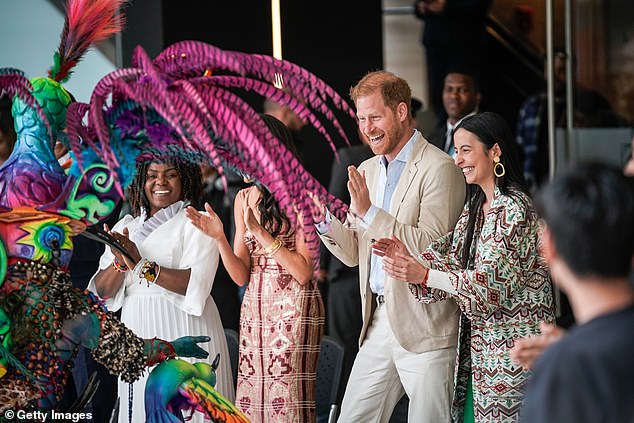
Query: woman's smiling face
<point>162,186</point>
<point>473,158</point>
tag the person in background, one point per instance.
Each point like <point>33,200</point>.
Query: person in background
<point>454,35</point>
<point>285,115</point>
<point>588,242</point>
<point>460,98</point>
<point>532,124</point>
<point>282,315</point>
<point>292,121</point>
<point>490,265</point>
<point>163,286</point>
<point>412,189</point>
<point>415,106</point>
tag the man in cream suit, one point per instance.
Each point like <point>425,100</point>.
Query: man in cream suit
<point>413,190</point>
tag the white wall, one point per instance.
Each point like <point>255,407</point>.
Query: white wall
<point>29,35</point>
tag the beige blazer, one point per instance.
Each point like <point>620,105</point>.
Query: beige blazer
<point>425,205</point>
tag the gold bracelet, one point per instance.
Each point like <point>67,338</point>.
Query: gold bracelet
<point>273,248</point>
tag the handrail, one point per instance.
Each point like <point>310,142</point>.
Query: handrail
<point>526,49</point>
<point>539,73</point>
<point>398,10</point>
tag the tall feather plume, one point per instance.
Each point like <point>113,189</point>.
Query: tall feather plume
<point>87,22</point>
<point>209,121</point>
<point>187,58</point>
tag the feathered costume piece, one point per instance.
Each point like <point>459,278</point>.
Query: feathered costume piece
<point>175,387</point>
<point>186,103</point>
<point>43,319</point>
<point>87,22</point>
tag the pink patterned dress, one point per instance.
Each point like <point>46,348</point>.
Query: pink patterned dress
<point>281,325</point>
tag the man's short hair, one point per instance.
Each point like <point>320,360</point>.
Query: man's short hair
<point>393,89</point>
<point>589,210</point>
<point>468,72</point>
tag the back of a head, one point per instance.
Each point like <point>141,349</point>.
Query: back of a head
<point>590,212</point>
<point>415,106</point>
<point>281,131</point>
<point>271,107</point>
<point>393,89</point>
<point>7,131</point>
<point>492,129</point>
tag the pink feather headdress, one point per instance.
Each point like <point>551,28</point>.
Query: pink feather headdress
<point>193,89</point>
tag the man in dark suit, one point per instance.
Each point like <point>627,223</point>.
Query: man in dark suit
<point>460,98</point>
<point>454,35</point>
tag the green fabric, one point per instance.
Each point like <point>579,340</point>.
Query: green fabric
<point>468,406</point>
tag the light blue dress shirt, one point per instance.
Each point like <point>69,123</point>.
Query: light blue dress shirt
<point>389,177</point>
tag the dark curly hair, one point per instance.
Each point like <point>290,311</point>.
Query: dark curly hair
<point>191,184</point>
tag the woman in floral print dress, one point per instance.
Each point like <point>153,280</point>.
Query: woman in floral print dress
<point>490,265</point>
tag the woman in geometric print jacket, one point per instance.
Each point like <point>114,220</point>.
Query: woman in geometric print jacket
<point>490,265</point>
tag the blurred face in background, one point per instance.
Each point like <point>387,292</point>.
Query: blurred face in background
<point>293,121</point>
<point>459,96</point>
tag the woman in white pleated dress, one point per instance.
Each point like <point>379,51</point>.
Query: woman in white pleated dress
<point>163,289</point>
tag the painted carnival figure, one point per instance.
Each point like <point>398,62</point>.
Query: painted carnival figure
<point>43,319</point>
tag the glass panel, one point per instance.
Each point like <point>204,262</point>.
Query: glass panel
<point>603,44</point>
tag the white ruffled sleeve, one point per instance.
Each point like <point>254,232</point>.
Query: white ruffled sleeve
<point>200,254</point>
<point>115,302</point>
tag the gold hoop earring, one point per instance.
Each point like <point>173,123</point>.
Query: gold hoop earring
<point>498,168</point>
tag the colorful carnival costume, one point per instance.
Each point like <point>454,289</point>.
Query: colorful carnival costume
<point>183,104</point>
<point>43,319</point>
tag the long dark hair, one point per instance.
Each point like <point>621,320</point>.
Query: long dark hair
<point>491,128</point>
<point>191,184</point>
<point>272,218</point>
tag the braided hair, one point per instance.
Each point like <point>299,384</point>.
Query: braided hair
<point>191,184</point>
